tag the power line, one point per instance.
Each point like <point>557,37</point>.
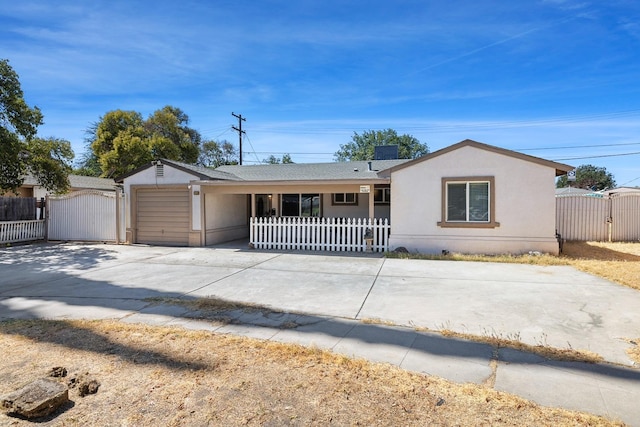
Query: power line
<point>252,150</point>
<point>603,155</point>
<point>579,146</point>
<point>629,182</point>
<point>288,152</point>
<point>227,130</point>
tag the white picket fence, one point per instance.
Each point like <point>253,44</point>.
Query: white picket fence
<point>319,234</point>
<point>21,231</point>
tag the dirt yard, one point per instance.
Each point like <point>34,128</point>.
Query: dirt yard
<point>151,376</point>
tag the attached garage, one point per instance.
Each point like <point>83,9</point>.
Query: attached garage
<point>162,216</point>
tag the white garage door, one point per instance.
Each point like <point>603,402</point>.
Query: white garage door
<point>163,216</point>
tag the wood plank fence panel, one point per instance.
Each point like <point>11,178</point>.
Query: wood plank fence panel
<point>17,208</point>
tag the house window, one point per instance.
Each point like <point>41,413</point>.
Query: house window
<point>468,202</point>
<point>382,195</point>
<point>345,199</point>
<point>306,205</point>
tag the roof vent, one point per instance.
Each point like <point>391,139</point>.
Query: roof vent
<point>159,170</point>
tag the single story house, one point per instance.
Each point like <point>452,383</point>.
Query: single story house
<point>172,203</point>
<point>32,188</point>
<point>469,197</point>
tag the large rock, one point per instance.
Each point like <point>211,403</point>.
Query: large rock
<point>37,399</point>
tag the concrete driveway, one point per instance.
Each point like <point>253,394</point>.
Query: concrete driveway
<point>556,306</point>
<point>332,293</point>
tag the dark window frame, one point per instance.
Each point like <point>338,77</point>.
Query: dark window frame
<point>446,223</point>
<point>300,202</point>
<point>344,201</point>
<point>386,195</point>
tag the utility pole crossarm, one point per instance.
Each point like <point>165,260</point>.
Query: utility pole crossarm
<point>240,132</point>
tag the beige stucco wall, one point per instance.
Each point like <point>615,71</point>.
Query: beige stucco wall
<point>225,217</point>
<point>524,205</point>
<point>361,210</point>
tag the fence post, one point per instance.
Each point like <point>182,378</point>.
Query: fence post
<point>118,215</point>
<point>47,215</point>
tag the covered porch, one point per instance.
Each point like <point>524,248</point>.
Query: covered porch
<point>314,216</point>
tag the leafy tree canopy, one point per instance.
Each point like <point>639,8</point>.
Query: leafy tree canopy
<point>48,160</point>
<point>218,153</point>
<point>273,160</point>
<point>122,141</point>
<point>589,177</point>
<point>362,146</point>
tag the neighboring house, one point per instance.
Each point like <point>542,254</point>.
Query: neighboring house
<point>623,190</point>
<point>572,191</point>
<point>31,187</point>
<point>469,197</point>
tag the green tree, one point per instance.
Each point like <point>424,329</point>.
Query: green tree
<point>48,160</point>
<point>589,177</point>
<point>218,153</point>
<point>168,127</point>
<point>273,160</point>
<point>362,147</point>
<point>122,141</point>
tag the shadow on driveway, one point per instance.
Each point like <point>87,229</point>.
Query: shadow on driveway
<point>40,267</point>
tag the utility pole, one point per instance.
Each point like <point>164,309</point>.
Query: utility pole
<point>239,130</point>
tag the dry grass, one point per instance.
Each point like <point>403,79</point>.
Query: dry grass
<point>514,342</point>
<point>154,376</point>
<point>618,262</point>
<point>634,352</point>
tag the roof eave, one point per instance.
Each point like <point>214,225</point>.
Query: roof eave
<point>560,168</point>
<point>283,182</point>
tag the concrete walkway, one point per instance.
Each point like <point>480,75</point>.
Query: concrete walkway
<point>331,295</point>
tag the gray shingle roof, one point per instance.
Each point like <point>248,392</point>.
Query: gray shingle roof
<point>80,182</point>
<point>201,171</point>
<point>310,171</point>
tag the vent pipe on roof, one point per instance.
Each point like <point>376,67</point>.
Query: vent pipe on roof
<point>369,166</point>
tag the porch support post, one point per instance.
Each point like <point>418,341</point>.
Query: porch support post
<point>253,205</point>
<point>371,204</point>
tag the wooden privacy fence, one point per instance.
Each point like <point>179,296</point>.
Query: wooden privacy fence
<point>614,218</point>
<point>21,231</point>
<point>319,234</point>
<point>17,208</point>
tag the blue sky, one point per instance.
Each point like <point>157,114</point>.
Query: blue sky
<point>558,79</point>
